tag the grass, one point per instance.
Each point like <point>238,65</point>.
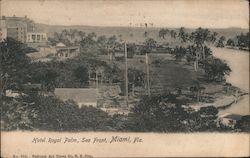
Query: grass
<point>171,74</point>
<point>168,74</point>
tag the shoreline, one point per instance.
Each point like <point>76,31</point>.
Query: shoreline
<point>232,102</point>
<point>221,101</point>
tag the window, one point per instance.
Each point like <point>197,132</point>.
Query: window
<point>33,37</point>
<point>38,37</point>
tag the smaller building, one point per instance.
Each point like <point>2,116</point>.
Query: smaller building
<point>12,93</point>
<point>229,119</point>
<point>36,37</point>
<point>82,96</point>
<point>3,30</point>
<point>63,51</point>
<point>32,87</point>
<point>46,48</point>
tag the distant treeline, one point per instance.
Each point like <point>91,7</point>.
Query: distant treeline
<point>241,41</point>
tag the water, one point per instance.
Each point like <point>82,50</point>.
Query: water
<point>239,77</point>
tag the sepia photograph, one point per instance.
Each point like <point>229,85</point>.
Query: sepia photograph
<point>134,78</point>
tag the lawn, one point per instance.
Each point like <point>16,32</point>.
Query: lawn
<point>167,74</point>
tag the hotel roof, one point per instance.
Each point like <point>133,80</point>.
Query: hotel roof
<point>79,95</point>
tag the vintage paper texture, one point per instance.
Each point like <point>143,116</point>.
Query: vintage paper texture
<point>154,144</point>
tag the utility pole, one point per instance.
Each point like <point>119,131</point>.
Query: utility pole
<point>89,76</point>
<point>133,86</point>
<point>147,67</point>
<point>96,79</point>
<point>126,71</point>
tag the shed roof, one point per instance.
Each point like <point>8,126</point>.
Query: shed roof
<point>232,116</point>
<point>79,95</point>
<point>60,44</point>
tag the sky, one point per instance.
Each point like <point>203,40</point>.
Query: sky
<point>161,13</point>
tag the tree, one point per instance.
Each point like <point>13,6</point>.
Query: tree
<point>44,74</point>
<point>173,34</point>
<point>243,40</point>
<point>81,34</point>
<point>135,78</point>
<point>13,63</point>
<point>102,43</point>
<point>120,37</point>
<point>113,73</point>
<point>17,114</point>
<point>197,89</point>
<point>131,48</point>
<point>183,36</point>
<point>163,32</point>
<point>213,37</point>
<point>221,41</point>
<point>230,42</point>
<point>112,44</point>
<point>88,43</point>
<point>199,37</point>
<point>207,119</point>
<point>157,113</point>
<point>179,52</point>
<point>216,69</point>
<point>81,73</point>
<point>149,45</point>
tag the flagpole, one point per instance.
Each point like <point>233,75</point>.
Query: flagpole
<point>96,78</point>
<point>147,65</point>
<point>126,71</point>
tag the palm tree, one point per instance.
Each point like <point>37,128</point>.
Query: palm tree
<point>81,34</point>
<point>183,35</point>
<point>213,37</point>
<point>89,41</point>
<point>72,34</point>
<point>200,36</point>
<point>197,89</point>
<point>102,40</point>
<point>58,36</point>
<point>173,34</point>
<point>92,35</point>
<point>120,37</point>
<point>221,42</point>
<point>112,44</point>
<point>230,42</point>
<point>163,33</point>
<point>150,44</point>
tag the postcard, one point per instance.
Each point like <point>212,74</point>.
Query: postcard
<point>116,78</point>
